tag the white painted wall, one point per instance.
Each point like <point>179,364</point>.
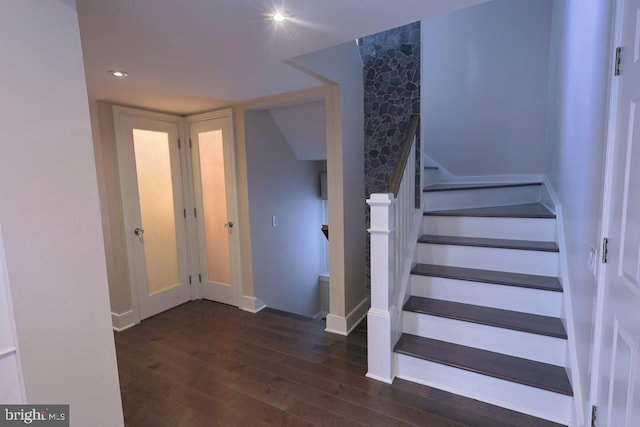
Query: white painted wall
<point>304,127</point>
<point>484,87</point>
<point>341,67</point>
<point>288,259</point>
<point>580,67</point>
<point>50,215</point>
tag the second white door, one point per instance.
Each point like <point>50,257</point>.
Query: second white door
<point>212,157</point>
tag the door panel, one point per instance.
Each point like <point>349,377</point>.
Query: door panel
<point>214,206</point>
<point>618,380</point>
<point>157,209</point>
<point>214,189</point>
<point>151,182</point>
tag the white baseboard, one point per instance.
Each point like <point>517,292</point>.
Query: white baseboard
<point>122,321</point>
<point>320,315</point>
<point>344,325</point>
<point>251,304</point>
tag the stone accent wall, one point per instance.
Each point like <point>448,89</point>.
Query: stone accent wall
<point>391,67</point>
<point>391,62</point>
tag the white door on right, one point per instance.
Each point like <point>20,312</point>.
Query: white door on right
<point>619,380</point>
<point>212,155</point>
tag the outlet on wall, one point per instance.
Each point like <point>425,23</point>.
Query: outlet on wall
<point>592,260</point>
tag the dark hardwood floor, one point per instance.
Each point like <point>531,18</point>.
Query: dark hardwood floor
<point>208,364</point>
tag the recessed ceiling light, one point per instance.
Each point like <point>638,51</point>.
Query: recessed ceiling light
<point>118,73</point>
<point>278,17</point>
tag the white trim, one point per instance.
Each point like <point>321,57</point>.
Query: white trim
<point>345,325</point>
<point>251,304</point>
<point>123,321</point>
<point>572,352</point>
<point>607,200</point>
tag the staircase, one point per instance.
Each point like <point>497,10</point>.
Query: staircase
<point>482,318</point>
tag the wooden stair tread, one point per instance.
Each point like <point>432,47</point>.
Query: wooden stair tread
<point>529,210</point>
<point>529,245</point>
<point>531,281</point>
<point>515,369</point>
<point>473,186</point>
<point>514,320</point>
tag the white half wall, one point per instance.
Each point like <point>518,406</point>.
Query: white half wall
<point>288,258</point>
<point>50,215</point>
<point>575,161</point>
<point>484,88</point>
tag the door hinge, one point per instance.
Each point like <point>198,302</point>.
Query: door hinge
<point>179,145</point>
<point>189,142</point>
<point>189,279</point>
<point>185,212</point>
<point>195,213</point>
<point>594,413</point>
<point>618,61</point>
<point>199,277</point>
<point>605,250</point>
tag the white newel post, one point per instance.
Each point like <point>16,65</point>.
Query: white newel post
<point>379,317</point>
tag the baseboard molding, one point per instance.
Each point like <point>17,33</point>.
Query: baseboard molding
<point>122,321</point>
<point>320,315</point>
<point>251,304</point>
<point>344,325</point>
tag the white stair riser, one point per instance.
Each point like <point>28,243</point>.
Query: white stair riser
<point>537,229</point>
<point>514,343</point>
<point>509,260</point>
<point>481,197</point>
<point>535,301</point>
<point>529,400</point>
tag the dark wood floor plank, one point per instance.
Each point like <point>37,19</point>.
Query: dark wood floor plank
<point>207,364</point>
<point>507,319</point>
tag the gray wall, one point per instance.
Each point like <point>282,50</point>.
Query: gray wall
<point>288,259</point>
<point>484,87</point>
<point>576,153</point>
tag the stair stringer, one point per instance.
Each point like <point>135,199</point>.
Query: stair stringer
<point>578,413</point>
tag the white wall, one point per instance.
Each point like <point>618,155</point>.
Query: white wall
<point>288,259</point>
<point>484,87</point>
<point>580,66</point>
<point>304,126</point>
<point>341,67</point>
<point>50,214</point>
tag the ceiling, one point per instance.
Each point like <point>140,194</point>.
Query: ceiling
<point>187,56</point>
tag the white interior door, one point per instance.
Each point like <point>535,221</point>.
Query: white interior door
<point>152,192</point>
<point>618,390</point>
<point>212,156</point>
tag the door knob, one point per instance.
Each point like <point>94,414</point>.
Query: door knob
<point>228,225</point>
<point>138,232</point>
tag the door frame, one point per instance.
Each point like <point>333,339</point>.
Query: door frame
<point>119,113</point>
<point>607,205</point>
<point>232,204</point>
